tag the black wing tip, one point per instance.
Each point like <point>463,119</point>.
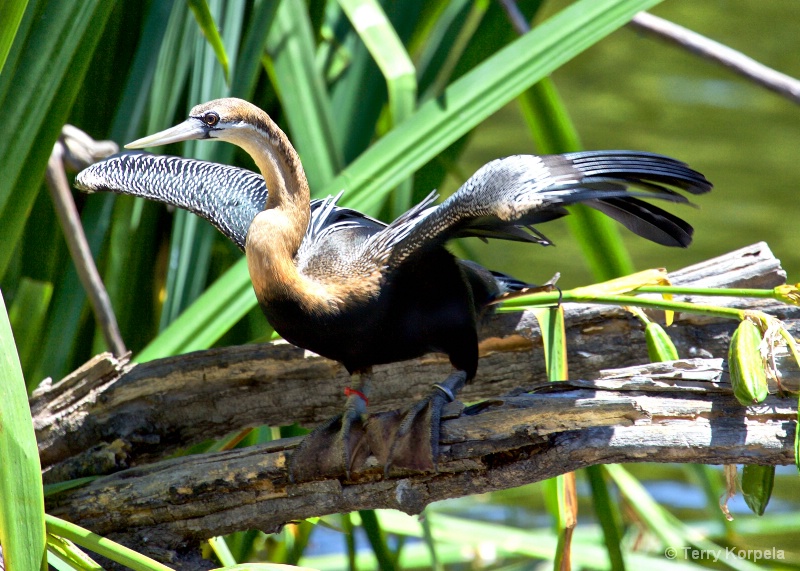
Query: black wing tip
<point>647,220</point>
<point>663,168</point>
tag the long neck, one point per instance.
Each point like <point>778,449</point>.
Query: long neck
<point>283,173</point>
<point>276,233</point>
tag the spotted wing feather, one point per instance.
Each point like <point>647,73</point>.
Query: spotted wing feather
<point>228,197</point>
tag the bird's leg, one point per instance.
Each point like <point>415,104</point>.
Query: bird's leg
<point>414,444</point>
<point>337,445</point>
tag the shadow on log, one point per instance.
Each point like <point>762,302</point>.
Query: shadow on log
<point>111,416</point>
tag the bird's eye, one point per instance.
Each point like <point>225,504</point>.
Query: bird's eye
<point>211,118</point>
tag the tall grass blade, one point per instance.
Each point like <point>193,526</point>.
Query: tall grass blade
<point>349,539</point>
<point>357,90</point>
<point>101,545</point>
<point>430,543</point>
<point>385,46</point>
<point>134,221</point>
<point>10,18</point>
<point>66,556</point>
<point>22,530</point>
<point>245,73</point>
<point>388,51</point>
<point>222,551</point>
<point>377,539</point>
<point>554,132</point>
<point>224,303</point>
<point>36,75</point>
<point>173,65</point>
<point>53,59</point>
<point>454,52</point>
<point>208,26</point>
<point>607,514</point>
<point>192,239</point>
<point>124,268</point>
<point>668,528</point>
<point>551,324</point>
<point>68,302</point>
<point>459,36</point>
<point>300,541</point>
<point>301,89</point>
<point>27,314</point>
<point>474,96</point>
<point>567,519</point>
<point>562,492</point>
<point>133,105</point>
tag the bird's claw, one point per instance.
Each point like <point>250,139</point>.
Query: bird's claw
<point>401,442</point>
<point>333,449</point>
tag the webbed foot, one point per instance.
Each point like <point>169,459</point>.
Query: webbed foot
<point>410,441</point>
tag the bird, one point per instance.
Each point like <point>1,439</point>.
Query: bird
<point>362,292</point>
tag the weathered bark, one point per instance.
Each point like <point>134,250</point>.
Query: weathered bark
<point>677,412</point>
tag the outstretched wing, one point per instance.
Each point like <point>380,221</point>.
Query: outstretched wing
<point>507,196</point>
<point>228,197</point>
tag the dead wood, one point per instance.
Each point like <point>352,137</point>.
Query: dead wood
<point>682,411</point>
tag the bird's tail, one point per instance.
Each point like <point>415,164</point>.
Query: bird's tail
<point>648,175</point>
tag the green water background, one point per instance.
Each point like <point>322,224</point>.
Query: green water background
<point>635,92</point>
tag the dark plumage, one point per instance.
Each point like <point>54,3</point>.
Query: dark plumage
<point>353,289</point>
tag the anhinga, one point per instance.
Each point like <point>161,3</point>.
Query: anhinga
<point>353,289</point>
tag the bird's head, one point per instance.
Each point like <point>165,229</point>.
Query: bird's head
<point>227,119</point>
<point>245,125</point>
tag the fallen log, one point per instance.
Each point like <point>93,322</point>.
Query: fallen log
<point>682,411</point>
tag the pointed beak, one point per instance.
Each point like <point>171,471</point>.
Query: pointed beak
<point>188,130</point>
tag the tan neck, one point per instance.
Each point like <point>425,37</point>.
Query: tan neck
<point>282,171</point>
<point>276,233</point>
